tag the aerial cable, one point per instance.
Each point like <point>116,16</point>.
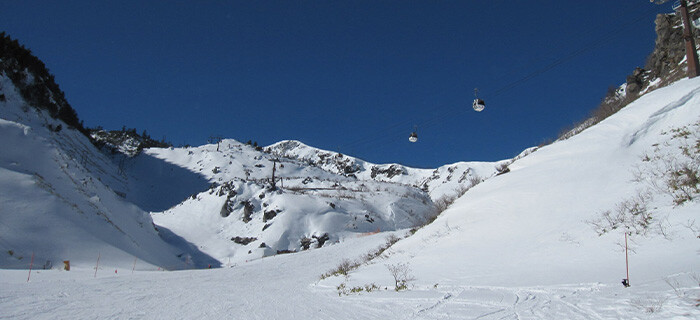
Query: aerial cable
<point>451,112</point>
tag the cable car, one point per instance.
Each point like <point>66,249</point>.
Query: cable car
<point>478,104</point>
<point>414,136</point>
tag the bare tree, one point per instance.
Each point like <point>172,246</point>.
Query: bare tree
<point>402,275</point>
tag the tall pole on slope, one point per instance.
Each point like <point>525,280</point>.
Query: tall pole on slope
<point>627,263</point>
<point>691,52</point>
<point>31,264</point>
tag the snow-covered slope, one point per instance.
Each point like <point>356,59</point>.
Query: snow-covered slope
<point>532,226</point>
<point>240,217</point>
<point>319,197</point>
<point>53,204</point>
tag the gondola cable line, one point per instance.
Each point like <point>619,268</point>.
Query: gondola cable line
<point>478,104</point>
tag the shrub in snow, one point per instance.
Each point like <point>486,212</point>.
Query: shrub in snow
<point>673,173</point>
<point>343,289</point>
<point>631,214</point>
<point>346,265</point>
<point>343,268</point>
<point>474,180</point>
<point>320,240</point>
<point>649,305</point>
<point>401,273</point>
<point>665,171</point>
<point>305,243</point>
<point>390,241</point>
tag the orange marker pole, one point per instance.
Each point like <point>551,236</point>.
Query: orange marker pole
<point>627,264</point>
<point>30,267</point>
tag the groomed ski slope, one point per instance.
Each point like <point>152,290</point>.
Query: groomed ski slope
<point>514,247</point>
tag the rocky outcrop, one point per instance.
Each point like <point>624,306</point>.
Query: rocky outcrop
<point>666,61</point>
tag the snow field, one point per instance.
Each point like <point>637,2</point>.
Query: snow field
<point>261,290</point>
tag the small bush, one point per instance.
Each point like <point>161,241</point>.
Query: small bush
<point>401,273</point>
<point>631,214</point>
<point>474,180</point>
<point>649,305</point>
<point>344,290</point>
<point>390,241</point>
<point>343,269</point>
<point>664,171</point>
<point>673,173</point>
<point>346,266</point>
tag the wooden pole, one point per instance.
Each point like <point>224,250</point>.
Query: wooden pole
<point>31,263</point>
<point>627,265</point>
<point>97,265</point>
<point>691,52</point>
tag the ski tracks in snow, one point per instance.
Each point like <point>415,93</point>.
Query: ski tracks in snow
<point>500,303</point>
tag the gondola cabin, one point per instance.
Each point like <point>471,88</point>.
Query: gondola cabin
<point>478,105</point>
<point>413,137</point>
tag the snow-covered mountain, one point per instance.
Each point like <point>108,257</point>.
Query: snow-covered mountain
<point>70,196</point>
<point>54,205</point>
<point>319,197</point>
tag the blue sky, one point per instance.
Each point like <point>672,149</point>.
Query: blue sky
<point>349,76</point>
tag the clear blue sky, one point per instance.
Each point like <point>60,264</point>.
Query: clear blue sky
<point>352,76</point>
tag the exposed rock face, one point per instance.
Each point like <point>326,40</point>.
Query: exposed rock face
<point>390,172</point>
<point>669,50</point>
<point>637,81</point>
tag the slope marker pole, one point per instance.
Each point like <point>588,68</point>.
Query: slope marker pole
<point>31,263</point>
<point>134,267</point>
<point>627,264</point>
<point>97,265</point>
